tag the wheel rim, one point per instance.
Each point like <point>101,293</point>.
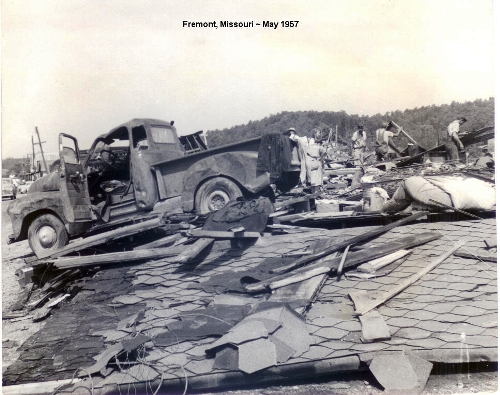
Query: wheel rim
<point>46,236</point>
<point>217,200</point>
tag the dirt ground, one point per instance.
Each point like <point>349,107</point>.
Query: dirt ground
<point>16,331</point>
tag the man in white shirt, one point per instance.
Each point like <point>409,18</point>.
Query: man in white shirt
<point>453,145</point>
<point>358,145</point>
<point>385,149</point>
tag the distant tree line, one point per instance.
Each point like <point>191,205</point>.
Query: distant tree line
<point>427,125</point>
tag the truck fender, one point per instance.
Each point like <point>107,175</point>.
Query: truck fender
<point>24,210</point>
<point>240,167</point>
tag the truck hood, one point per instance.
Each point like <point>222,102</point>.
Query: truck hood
<point>47,183</point>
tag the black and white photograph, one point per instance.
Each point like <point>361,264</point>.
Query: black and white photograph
<point>249,197</point>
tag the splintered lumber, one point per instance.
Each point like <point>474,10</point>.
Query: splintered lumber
<point>353,259</point>
<point>217,234</point>
<point>343,244</point>
<point>102,238</point>
<point>115,257</point>
<point>192,250</point>
<point>405,284</point>
<point>379,263</point>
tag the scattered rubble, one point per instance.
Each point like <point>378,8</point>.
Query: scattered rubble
<point>214,299</point>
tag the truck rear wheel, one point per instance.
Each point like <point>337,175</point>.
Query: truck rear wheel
<point>215,194</point>
<point>47,233</point>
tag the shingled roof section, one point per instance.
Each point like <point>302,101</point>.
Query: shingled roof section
<point>449,315</point>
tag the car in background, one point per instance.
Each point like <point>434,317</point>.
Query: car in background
<point>9,190</point>
<point>23,188</point>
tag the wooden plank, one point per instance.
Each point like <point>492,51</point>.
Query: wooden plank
<point>376,264</point>
<point>102,238</point>
<point>216,234</point>
<point>353,240</point>
<point>114,257</point>
<point>192,250</point>
<point>293,218</point>
<point>405,284</point>
<point>352,260</point>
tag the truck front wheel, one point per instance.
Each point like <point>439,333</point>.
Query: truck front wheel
<point>215,194</point>
<point>47,233</point>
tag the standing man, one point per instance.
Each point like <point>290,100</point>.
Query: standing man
<point>385,148</point>
<point>453,145</point>
<point>310,154</point>
<point>358,145</point>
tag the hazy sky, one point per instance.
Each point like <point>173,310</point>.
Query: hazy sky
<point>85,66</point>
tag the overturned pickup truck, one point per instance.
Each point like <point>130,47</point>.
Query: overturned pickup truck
<point>138,168</point>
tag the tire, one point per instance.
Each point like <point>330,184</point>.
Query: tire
<point>215,194</point>
<point>47,233</point>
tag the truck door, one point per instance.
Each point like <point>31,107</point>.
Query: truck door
<point>73,185</point>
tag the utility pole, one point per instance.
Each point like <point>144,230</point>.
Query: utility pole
<point>41,151</point>
<point>336,140</point>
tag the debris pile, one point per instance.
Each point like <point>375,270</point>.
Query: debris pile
<point>239,294</point>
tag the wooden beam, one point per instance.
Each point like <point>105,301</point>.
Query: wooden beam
<point>216,234</point>
<point>115,257</point>
<point>376,264</point>
<point>353,240</point>
<point>405,284</point>
<point>102,238</point>
<point>353,259</point>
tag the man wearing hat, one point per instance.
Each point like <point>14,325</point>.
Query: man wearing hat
<point>453,145</point>
<point>310,153</point>
<point>358,145</point>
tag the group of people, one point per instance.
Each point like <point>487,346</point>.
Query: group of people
<point>385,149</point>
<point>311,150</point>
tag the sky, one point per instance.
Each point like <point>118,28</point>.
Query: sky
<point>83,67</point>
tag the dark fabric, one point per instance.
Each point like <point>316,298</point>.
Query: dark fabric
<point>252,215</point>
<point>275,154</point>
<point>451,151</point>
<point>381,151</point>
